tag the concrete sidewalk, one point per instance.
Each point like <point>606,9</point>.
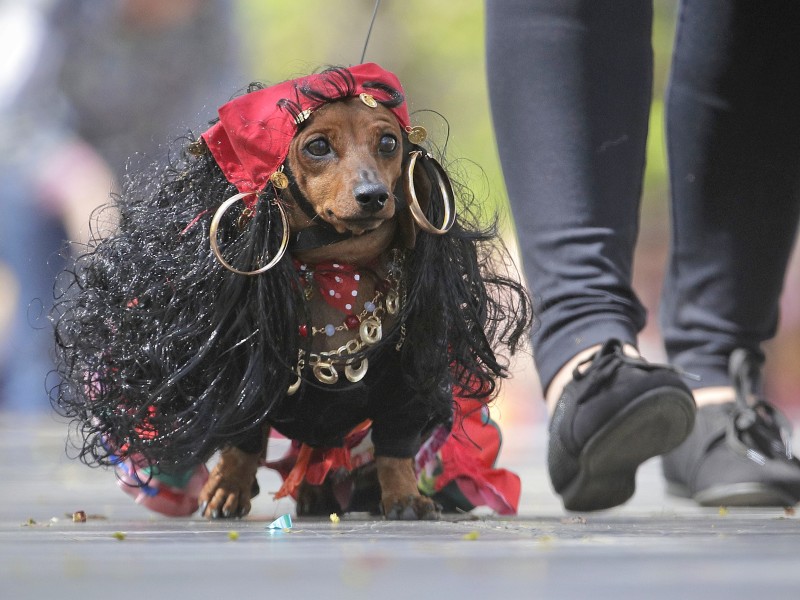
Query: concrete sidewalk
<point>653,547</point>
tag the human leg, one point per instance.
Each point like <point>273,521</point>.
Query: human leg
<point>570,89</point>
<point>570,85</point>
<point>733,124</point>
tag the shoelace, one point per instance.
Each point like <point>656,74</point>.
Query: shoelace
<point>756,428</point>
<point>609,359</point>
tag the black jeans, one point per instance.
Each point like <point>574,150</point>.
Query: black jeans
<point>570,87</point>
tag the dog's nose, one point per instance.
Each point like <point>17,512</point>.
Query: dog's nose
<point>371,196</point>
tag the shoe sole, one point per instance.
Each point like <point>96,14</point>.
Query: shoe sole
<point>736,494</point>
<point>653,424</point>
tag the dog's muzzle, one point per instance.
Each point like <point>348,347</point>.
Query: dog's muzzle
<point>371,197</point>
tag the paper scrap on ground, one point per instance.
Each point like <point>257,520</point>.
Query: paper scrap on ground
<point>282,522</point>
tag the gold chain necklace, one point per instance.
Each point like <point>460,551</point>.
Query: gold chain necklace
<point>370,332</point>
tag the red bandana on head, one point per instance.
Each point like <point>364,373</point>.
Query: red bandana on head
<point>251,139</point>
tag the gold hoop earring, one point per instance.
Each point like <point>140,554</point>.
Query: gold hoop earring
<point>445,189</point>
<point>215,226</point>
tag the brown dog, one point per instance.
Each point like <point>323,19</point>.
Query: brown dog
<point>189,334</point>
<point>347,161</point>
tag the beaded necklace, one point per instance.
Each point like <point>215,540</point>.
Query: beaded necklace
<point>338,284</point>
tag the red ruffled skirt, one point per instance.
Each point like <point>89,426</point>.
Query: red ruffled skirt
<point>456,468</point>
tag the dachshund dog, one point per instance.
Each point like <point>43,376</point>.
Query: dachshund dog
<point>303,267</point>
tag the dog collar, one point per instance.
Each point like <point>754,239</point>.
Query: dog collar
<point>320,233</point>
<point>316,236</point>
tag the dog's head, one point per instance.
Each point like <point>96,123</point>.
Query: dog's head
<point>347,162</point>
<point>332,144</point>
<point>346,165</point>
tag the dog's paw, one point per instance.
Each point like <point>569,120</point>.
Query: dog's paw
<point>400,498</point>
<point>231,486</point>
<point>411,508</point>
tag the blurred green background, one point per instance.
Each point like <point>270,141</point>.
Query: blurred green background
<point>437,49</point>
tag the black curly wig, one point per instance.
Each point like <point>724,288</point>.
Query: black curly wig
<point>166,355</point>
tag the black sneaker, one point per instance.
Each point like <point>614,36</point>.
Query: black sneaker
<point>739,453</point>
<point>614,415</point>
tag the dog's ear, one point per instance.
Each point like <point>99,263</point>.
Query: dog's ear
<point>422,186</point>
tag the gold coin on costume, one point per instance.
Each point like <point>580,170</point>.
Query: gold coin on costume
<point>355,374</point>
<point>279,180</point>
<point>368,100</point>
<point>392,302</point>
<point>326,373</point>
<point>292,389</point>
<point>417,134</point>
<point>371,331</point>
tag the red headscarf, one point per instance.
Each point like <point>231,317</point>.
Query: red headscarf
<point>251,139</point>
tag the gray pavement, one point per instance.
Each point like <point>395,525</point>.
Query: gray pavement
<point>653,547</point>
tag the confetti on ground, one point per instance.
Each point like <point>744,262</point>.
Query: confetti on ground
<point>723,511</point>
<point>233,535</point>
<point>472,535</point>
<point>79,516</point>
<point>545,539</point>
<point>34,523</point>
<point>334,518</point>
<point>88,517</point>
<point>283,522</point>
<point>118,535</point>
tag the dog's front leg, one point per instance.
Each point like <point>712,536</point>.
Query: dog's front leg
<point>400,496</point>
<point>232,483</point>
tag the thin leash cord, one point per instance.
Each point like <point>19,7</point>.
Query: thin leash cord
<point>369,31</point>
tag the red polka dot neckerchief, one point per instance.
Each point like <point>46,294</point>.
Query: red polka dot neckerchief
<point>336,283</point>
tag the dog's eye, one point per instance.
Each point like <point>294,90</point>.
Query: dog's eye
<point>387,144</point>
<point>318,147</point>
